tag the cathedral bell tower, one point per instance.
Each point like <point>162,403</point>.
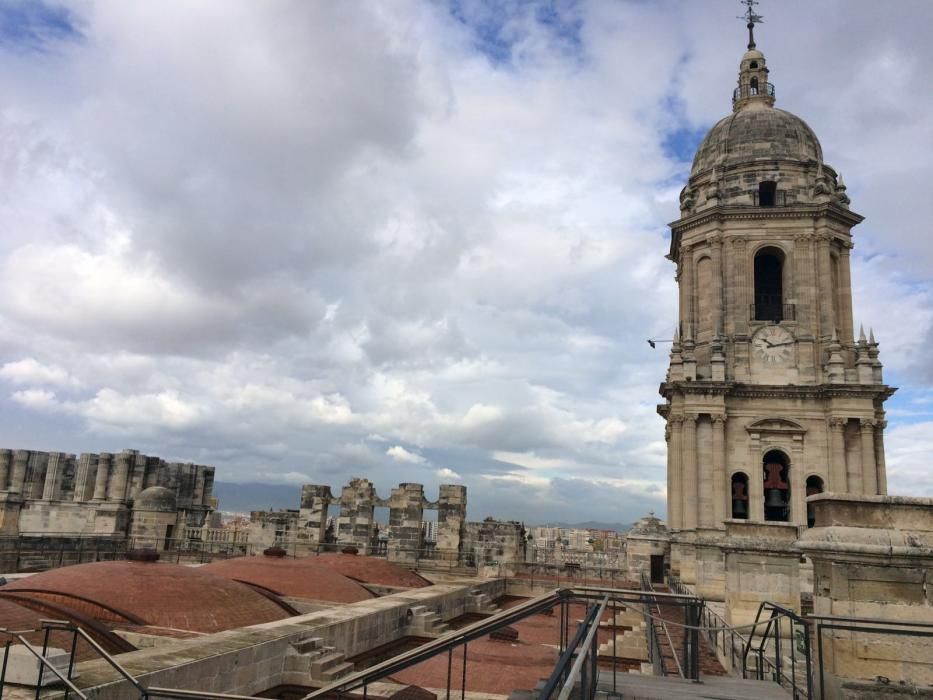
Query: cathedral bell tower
<point>770,395</point>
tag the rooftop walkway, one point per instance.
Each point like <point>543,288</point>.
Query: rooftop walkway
<point>638,687</point>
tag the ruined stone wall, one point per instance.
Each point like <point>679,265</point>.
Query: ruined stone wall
<point>305,530</point>
<point>493,541</point>
<point>58,493</point>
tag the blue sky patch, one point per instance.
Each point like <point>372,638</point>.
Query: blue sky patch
<point>497,26</point>
<point>31,25</point>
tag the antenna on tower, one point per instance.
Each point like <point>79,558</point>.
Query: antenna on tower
<point>752,18</point>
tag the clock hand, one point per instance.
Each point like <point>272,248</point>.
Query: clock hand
<point>765,341</point>
<point>777,345</point>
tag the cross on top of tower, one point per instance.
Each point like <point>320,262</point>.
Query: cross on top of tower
<point>752,18</point>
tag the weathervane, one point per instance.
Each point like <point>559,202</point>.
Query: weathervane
<point>752,18</point>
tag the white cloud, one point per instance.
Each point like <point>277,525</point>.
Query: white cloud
<point>400,454</point>
<point>31,371</point>
<point>36,399</point>
<point>448,474</point>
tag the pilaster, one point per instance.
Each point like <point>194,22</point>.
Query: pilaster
<point>869,473</point>
<point>720,490</point>
<point>690,490</point>
<point>838,480</point>
<point>675,494</point>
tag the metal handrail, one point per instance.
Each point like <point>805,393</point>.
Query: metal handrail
<point>645,583</point>
<point>581,658</point>
<point>45,662</point>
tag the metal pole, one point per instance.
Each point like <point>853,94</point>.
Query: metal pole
<point>463,680</point>
<point>6,654</point>
<point>71,658</point>
<point>450,658</point>
<point>614,631</point>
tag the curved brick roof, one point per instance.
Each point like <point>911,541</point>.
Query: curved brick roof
<point>301,578</point>
<point>17,616</point>
<point>372,570</point>
<point>152,593</point>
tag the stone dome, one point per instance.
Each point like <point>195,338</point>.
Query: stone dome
<point>649,525</point>
<point>151,593</point>
<point>156,498</point>
<point>300,578</point>
<point>757,133</point>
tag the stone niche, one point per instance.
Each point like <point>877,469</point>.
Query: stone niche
<point>873,558</point>
<point>762,564</point>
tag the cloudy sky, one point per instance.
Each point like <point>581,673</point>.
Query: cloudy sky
<point>415,241</point>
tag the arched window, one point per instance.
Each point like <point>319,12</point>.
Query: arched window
<point>769,285</point>
<point>753,84</point>
<point>814,486</point>
<point>776,473</point>
<point>753,65</point>
<point>739,496</point>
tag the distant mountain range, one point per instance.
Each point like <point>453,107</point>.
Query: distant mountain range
<point>242,498</point>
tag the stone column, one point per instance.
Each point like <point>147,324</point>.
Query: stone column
<point>741,286</point>
<point>120,475</point>
<point>802,282</point>
<point>827,293</point>
<point>690,492</point>
<point>104,461</point>
<point>18,479</point>
<point>82,475</point>
<point>675,494</point>
<point>52,476</point>
<point>6,457</point>
<point>879,457</point>
<point>355,524</point>
<point>715,242</point>
<point>720,489</point>
<point>853,469</point>
<point>847,326</point>
<point>405,516</point>
<point>688,293</point>
<point>869,473</point>
<point>315,499</point>
<point>451,515</point>
<point>838,482</point>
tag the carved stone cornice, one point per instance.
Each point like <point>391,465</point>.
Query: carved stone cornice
<point>722,213</point>
<point>878,392</point>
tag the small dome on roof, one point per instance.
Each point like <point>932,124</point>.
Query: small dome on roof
<point>373,570</point>
<point>764,134</point>
<point>156,498</point>
<point>649,525</point>
<point>153,593</point>
<point>301,578</point>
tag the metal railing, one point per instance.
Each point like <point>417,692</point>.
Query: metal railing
<point>582,653</point>
<point>774,312</point>
<point>750,91</point>
<point>864,626</point>
<point>761,644</point>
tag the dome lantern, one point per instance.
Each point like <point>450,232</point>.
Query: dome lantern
<point>754,89</point>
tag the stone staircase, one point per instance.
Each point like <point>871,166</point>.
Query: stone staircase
<point>310,659</point>
<point>425,622</point>
<point>631,644</point>
<point>482,603</point>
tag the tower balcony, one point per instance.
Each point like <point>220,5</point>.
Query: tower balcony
<point>745,91</point>
<point>773,312</point>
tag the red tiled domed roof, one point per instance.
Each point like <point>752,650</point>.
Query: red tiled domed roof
<point>19,617</point>
<point>301,578</point>
<point>152,593</point>
<point>372,570</point>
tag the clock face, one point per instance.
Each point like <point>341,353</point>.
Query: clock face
<point>773,344</point>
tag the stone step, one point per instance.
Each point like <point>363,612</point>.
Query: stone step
<point>306,646</point>
<point>322,664</point>
<point>336,672</point>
